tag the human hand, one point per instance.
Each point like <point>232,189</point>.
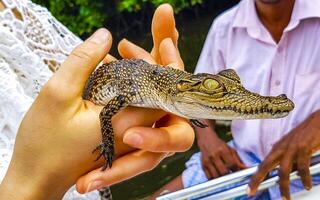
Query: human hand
<point>217,157</point>
<point>166,52</point>
<point>163,27</point>
<point>295,148</point>
<point>57,135</point>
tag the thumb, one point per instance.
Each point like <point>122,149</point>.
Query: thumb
<point>77,68</point>
<point>240,163</point>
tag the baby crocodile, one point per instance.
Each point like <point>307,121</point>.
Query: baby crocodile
<point>193,96</point>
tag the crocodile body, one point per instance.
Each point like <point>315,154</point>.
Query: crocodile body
<point>194,96</point>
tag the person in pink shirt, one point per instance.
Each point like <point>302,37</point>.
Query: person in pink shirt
<point>274,45</point>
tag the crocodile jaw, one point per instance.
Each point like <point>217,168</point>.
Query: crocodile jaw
<point>199,111</point>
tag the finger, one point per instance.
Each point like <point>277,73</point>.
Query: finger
<point>163,26</point>
<point>284,173</point>
<point>264,168</point>
<point>229,160</point>
<point>220,166</point>
<point>129,50</point>
<point>207,173</point>
<point>212,170</point>
<point>140,161</point>
<point>108,59</point>
<point>75,71</point>
<point>169,54</point>
<point>177,136</point>
<point>303,163</point>
<point>208,168</point>
<point>240,164</point>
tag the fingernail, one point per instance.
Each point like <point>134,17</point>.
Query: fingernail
<point>94,185</point>
<point>133,139</point>
<point>100,36</point>
<point>248,191</point>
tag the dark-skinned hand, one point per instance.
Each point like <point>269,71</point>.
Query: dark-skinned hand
<point>217,157</point>
<point>294,149</point>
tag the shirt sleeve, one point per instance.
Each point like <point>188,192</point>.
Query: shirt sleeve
<point>211,59</point>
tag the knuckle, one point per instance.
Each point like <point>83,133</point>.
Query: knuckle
<point>83,53</point>
<point>226,152</point>
<point>220,150</point>
<point>214,155</point>
<point>303,171</point>
<point>254,181</point>
<point>49,90</point>
<point>302,145</point>
<point>262,168</point>
<point>283,174</point>
<point>54,91</point>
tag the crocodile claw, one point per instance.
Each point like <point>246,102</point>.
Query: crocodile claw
<point>107,153</point>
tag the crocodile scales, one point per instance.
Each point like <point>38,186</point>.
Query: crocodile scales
<point>135,82</point>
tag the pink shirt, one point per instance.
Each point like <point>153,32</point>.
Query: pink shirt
<point>238,40</point>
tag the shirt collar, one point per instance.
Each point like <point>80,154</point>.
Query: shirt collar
<point>247,17</point>
<point>303,9</point>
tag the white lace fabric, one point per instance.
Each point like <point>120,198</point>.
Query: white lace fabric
<point>33,44</point>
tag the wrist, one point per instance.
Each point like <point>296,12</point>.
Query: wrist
<point>30,186</point>
<point>206,135</point>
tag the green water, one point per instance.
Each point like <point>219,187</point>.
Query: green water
<point>192,36</point>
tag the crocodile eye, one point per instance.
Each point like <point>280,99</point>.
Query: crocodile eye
<point>210,84</point>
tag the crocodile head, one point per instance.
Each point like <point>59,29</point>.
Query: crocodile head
<point>222,96</point>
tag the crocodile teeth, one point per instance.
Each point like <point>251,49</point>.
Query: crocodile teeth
<point>248,109</point>
<point>274,110</point>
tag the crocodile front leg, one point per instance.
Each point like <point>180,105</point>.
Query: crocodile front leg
<point>197,123</point>
<point>106,148</point>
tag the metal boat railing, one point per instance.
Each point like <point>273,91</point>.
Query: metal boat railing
<point>236,184</point>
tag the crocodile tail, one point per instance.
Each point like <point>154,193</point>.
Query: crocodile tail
<point>105,193</point>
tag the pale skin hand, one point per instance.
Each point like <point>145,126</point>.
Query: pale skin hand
<point>296,149</point>
<point>55,140</point>
<point>217,157</point>
<point>165,52</point>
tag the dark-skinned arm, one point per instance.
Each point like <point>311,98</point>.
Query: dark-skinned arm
<point>294,149</point>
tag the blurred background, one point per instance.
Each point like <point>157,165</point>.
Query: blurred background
<point>131,19</point>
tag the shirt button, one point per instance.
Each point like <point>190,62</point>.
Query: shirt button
<point>277,82</point>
